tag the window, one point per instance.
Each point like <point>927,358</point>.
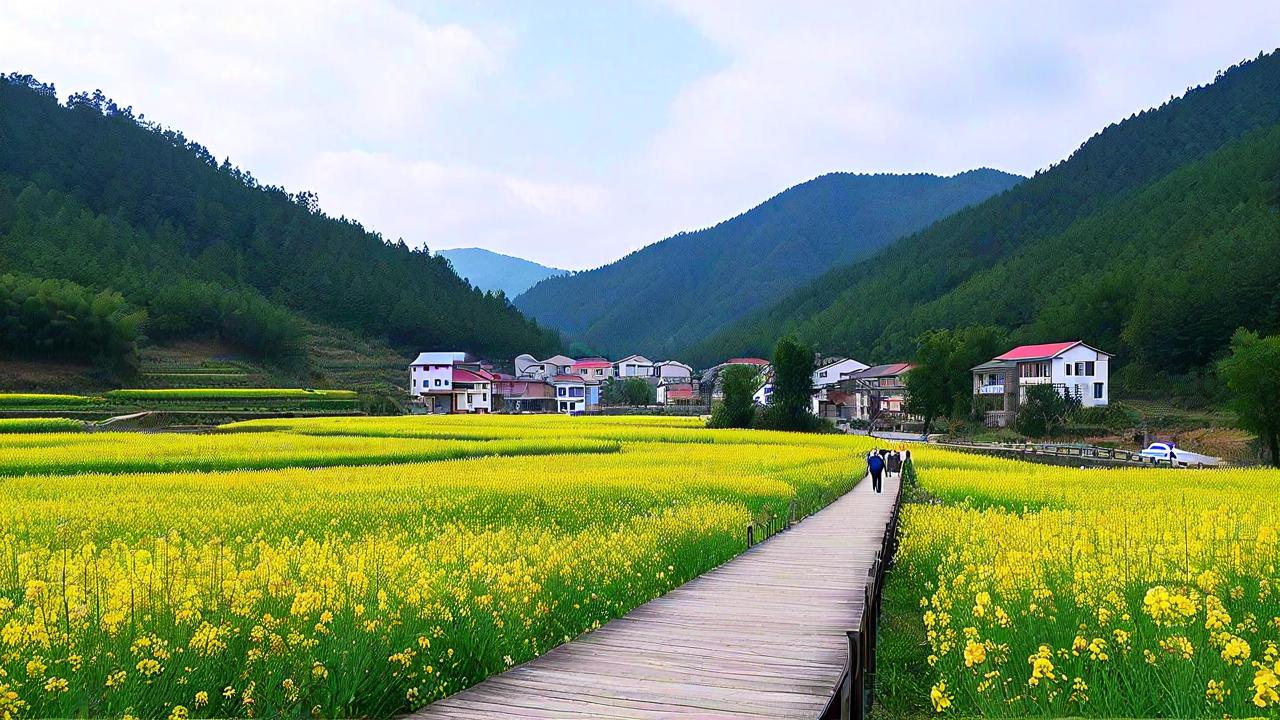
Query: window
<point>1068,368</point>
<point>1097,391</point>
<point>1088,368</point>
<point>562,407</point>
<point>484,397</point>
<point>599,372</point>
<point>822,374</point>
<point>561,392</point>
<point>437,382</point>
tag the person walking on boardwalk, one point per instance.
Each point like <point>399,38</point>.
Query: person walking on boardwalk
<point>875,466</point>
<point>894,462</point>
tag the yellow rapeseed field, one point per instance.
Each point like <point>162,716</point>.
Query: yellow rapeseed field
<point>273,569</point>
<point>1053,591</point>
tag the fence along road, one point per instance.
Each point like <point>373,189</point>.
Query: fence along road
<point>768,634</point>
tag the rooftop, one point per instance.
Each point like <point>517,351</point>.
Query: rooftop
<point>995,365</point>
<point>1044,351</point>
<point>471,376</point>
<point>878,371</point>
<point>443,358</point>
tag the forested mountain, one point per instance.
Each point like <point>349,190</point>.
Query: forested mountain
<point>667,296</point>
<point>493,271</point>
<point>1154,240</point>
<point>143,228</point>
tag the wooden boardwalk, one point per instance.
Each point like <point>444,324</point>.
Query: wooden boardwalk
<point>762,636</point>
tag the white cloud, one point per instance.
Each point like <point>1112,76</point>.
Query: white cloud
<point>267,83</point>
<point>935,87</point>
<point>420,129</point>
<point>454,204</point>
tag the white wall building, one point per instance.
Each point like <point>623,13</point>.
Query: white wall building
<point>450,382</point>
<point>571,393</point>
<point>830,373</point>
<point>1073,368</point>
<point>673,371</point>
<point>634,366</point>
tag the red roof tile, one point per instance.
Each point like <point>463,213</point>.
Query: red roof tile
<point>567,378</point>
<point>746,361</point>
<point>680,393</point>
<point>1038,352</point>
<point>468,376</point>
<point>592,364</point>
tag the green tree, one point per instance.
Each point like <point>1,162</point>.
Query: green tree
<point>628,391</point>
<point>1252,375</point>
<point>737,409</point>
<point>789,404</point>
<point>1044,410</point>
<point>940,384</point>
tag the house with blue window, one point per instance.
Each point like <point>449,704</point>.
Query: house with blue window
<point>571,393</point>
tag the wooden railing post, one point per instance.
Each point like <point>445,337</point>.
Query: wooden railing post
<point>851,692</point>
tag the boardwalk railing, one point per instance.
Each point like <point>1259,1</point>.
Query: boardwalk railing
<point>853,697</point>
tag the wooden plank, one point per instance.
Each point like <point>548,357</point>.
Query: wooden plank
<point>762,636</point>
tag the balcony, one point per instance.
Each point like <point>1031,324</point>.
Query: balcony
<point>991,389</point>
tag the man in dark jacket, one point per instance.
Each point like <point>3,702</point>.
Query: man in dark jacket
<point>875,466</point>
<point>894,462</point>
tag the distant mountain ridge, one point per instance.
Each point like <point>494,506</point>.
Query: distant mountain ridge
<point>669,295</point>
<point>1154,240</point>
<point>491,271</point>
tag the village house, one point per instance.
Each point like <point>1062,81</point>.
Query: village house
<point>634,366</point>
<point>1072,368</point>
<point>556,365</point>
<point>575,393</point>
<point>876,395</point>
<point>597,369</point>
<point>678,393</point>
<point>673,371</point>
<point>450,382</point>
<point>523,394</point>
<point>829,401</point>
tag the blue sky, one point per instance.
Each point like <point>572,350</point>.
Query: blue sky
<point>571,133</point>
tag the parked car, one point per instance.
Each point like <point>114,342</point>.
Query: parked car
<point>1177,457</point>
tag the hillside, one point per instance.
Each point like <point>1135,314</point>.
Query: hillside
<point>1154,240</point>
<point>493,272</point>
<point>667,296</point>
<point>114,231</point>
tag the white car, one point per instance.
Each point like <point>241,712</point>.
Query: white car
<point>1177,457</point>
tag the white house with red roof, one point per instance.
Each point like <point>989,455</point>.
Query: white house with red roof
<point>1072,368</point>
<point>450,382</point>
<point>597,369</point>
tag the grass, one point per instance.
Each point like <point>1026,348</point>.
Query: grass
<point>46,400</point>
<point>358,591</point>
<point>223,394</point>
<point>39,425</point>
